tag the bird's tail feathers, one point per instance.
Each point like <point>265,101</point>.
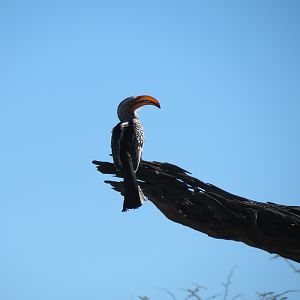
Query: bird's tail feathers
<point>133,195</point>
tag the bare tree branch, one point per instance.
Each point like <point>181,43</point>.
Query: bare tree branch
<point>204,207</point>
<point>228,283</point>
<point>169,292</point>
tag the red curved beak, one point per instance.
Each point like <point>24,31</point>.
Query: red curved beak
<point>145,100</point>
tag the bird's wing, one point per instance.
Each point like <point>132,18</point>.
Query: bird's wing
<point>127,137</point>
<point>117,138</point>
<point>137,143</point>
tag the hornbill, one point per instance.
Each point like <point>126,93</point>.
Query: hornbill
<point>127,143</point>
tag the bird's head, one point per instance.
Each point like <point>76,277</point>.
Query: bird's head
<point>127,108</point>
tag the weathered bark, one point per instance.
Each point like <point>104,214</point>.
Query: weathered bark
<point>211,210</point>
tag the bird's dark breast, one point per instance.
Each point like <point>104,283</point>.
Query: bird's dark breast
<point>132,142</point>
<point>127,138</point>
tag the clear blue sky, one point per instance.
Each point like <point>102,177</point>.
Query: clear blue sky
<point>227,74</point>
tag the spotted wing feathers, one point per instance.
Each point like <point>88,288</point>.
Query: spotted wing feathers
<point>127,137</point>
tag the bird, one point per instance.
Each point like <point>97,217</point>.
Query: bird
<point>127,142</point>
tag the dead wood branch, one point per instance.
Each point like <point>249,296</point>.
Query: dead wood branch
<point>211,210</point>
